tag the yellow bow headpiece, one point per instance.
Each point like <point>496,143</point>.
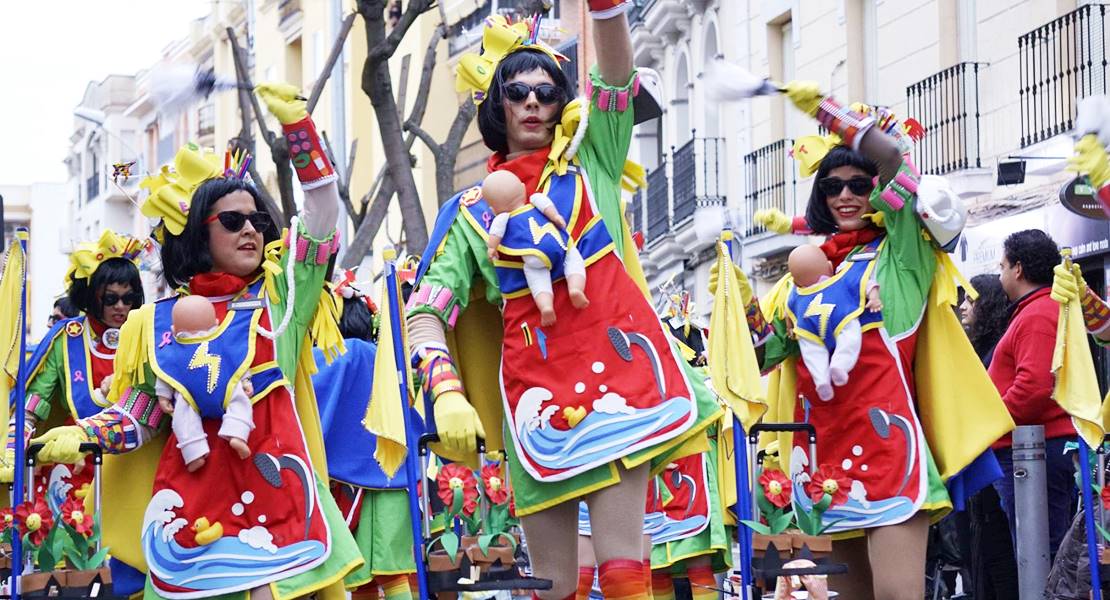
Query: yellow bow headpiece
<point>474,73</point>
<point>88,256</point>
<point>171,190</point>
<point>810,150</point>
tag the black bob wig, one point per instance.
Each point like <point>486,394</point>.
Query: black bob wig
<point>818,216</point>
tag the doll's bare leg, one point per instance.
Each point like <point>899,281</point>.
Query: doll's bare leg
<point>898,558</point>
<point>856,583</point>
<point>240,447</point>
<point>262,593</point>
<point>553,547</point>
<point>538,277</point>
<point>575,269</point>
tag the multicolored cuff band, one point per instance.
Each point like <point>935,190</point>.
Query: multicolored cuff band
<point>607,9</point>
<point>112,430</point>
<point>142,407</point>
<point>901,188</point>
<point>799,226</point>
<point>36,403</point>
<point>28,433</point>
<point>305,248</point>
<point>1096,315</point>
<point>845,122</point>
<point>440,299</point>
<point>613,99</point>
<point>758,325</point>
<point>1104,198</point>
<point>307,154</point>
<point>436,371</point>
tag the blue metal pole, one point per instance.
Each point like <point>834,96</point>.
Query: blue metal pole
<point>20,420</point>
<point>743,500</point>
<point>412,460</point>
<point>1089,517</point>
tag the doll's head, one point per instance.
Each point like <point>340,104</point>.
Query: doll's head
<point>808,264</point>
<point>503,191</point>
<point>193,315</point>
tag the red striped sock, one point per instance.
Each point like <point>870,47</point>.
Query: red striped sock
<point>622,579</point>
<point>662,585</point>
<point>585,582</point>
<point>647,576</point>
<point>394,587</point>
<point>702,583</point>
<point>366,592</point>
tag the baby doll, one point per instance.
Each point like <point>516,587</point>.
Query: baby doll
<point>536,233</point>
<point>809,267</point>
<point>194,316</point>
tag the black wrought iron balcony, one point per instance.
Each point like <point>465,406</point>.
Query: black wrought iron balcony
<point>1059,62</point>
<point>947,106</point>
<point>468,30</point>
<point>287,9</point>
<point>570,67</point>
<point>697,181</point>
<point>771,182</point>
<point>658,204</point>
<point>92,187</point>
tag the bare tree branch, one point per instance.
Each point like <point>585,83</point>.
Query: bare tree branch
<point>385,49</point>
<point>244,78</point>
<point>336,50</point>
<point>371,223</point>
<point>424,136</point>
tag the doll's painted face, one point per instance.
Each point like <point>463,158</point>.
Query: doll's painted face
<point>193,315</point>
<point>503,191</point>
<point>808,264</point>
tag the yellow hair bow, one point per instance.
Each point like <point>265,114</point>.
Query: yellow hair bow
<point>88,256</point>
<point>810,150</point>
<point>171,190</point>
<point>475,71</point>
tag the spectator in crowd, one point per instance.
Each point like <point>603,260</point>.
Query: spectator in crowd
<point>63,309</point>
<point>1021,370</point>
<point>991,555</point>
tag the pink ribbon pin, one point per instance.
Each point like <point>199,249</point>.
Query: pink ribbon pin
<point>78,376</point>
<point>167,338</point>
<point>487,219</point>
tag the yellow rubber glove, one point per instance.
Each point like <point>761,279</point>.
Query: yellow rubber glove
<point>62,444</point>
<point>7,466</point>
<point>741,278</point>
<point>1091,160</point>
<point>283,101</point>
<point>806,95</point>
<point>774,220</point>
<point>1068,284</point>
<point>458,425</point>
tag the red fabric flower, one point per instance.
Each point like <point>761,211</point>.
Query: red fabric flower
<point>1105,497</point>
<point>7,519</point>
<point>776,487</point>
<point>494,484</point>
<point>74,515</point>
<point>831,480</point>
<point>35,519</point>
<point>457,477</point>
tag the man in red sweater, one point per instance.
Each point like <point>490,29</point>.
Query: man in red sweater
<point>1022,371</point>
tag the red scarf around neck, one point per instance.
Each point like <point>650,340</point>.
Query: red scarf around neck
<point>839,245</point>
<point>216,284</point>
<point>528,168</point>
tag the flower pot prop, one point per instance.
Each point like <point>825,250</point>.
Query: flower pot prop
<point>793,528</point>
<point>458,489</point>
<point>63,546</point>
<point>495,548</point>
<point>775,510</point>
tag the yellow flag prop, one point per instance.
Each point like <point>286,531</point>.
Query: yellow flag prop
<point>12,284</point>
<point>732,364</point>
<point>1076,384</point>
<point>384,415</point>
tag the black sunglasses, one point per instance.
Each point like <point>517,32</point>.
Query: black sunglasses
<point>831,186</point>
<point>131,299</point>
<point>546,93</point>
<point>234,221</point>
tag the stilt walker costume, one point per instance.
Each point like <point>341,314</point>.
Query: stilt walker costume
<point>601,391</point>
<point>892,433</point>
<point>70,365</point>
<point>233,525</point>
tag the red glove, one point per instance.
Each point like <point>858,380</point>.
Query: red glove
<point>307,154</point>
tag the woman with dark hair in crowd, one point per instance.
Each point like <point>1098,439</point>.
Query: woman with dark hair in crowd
<point>266,524</point>
<point>991,556</point>
<point>71,368</point>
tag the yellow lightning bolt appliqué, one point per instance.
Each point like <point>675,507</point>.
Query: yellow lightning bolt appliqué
<point>817,308</point>
<point>201,358</point>
<point>539,231</point>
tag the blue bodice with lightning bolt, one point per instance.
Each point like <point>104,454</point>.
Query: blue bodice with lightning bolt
<point>820,312</point>
<point>206,368</point>
<point>530,232</point>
